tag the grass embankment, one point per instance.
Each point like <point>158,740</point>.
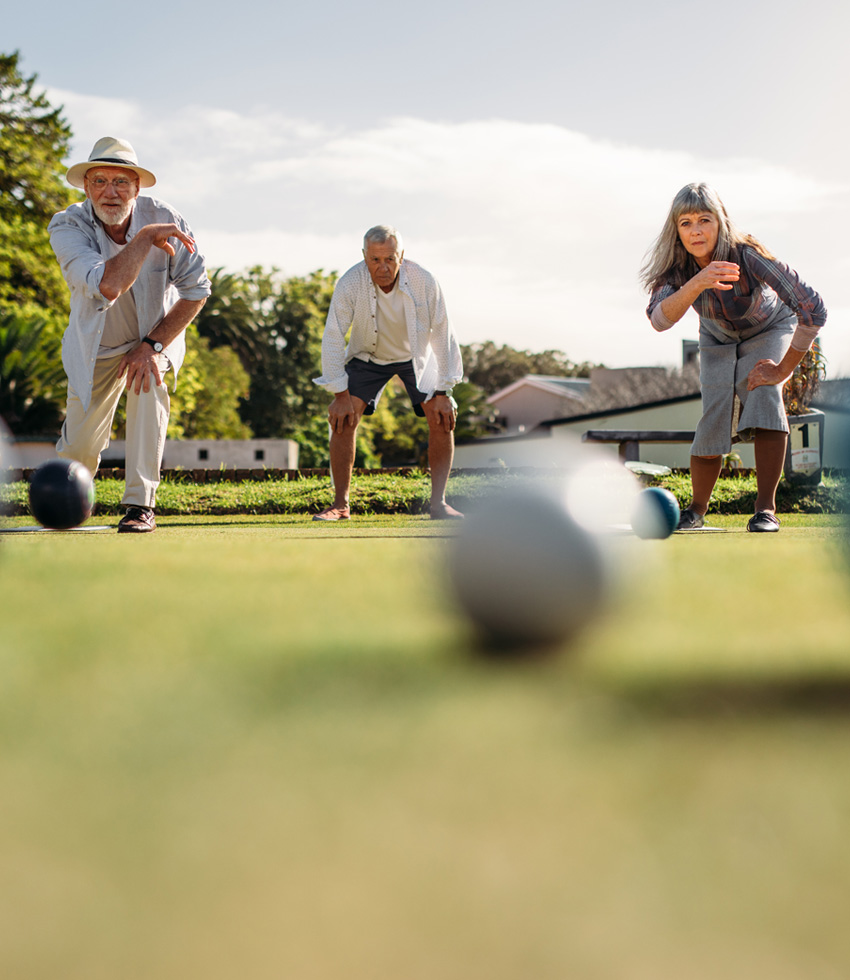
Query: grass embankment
<point>407,492</point>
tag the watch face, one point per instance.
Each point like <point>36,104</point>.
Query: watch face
<point>157,347</point>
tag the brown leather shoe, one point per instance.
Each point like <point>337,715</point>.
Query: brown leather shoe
<point>137,520</point>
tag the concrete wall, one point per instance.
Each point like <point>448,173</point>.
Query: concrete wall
<point>33,452</point>
<point>189,454</point>
<point>212,454</point>
<point>276,454</point>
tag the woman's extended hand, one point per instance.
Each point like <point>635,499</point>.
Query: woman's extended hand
<point>718,275</point>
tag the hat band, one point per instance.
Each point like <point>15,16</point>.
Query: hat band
<point>123,163</point>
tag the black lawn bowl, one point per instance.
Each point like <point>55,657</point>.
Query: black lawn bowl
<point>61,494</point>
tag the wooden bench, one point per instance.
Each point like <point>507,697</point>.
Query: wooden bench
<point>629,440</point>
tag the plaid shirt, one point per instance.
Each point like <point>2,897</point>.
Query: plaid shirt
<point>765,291</point>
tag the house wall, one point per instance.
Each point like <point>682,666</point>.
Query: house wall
<point>535,450</point>
<point>527,406</point>
<point>530,450</point>
<point>686,415</point>
<point>679,415</point>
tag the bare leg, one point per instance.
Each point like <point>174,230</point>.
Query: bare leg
<point>441,450</point>
<point>343,447</point>
<point>342,450</point>
<point>770,447</point>
<point>704,473</point>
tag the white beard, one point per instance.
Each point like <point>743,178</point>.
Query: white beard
<point>113,216</point>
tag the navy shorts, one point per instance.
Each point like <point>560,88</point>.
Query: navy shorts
<point>367,381</point>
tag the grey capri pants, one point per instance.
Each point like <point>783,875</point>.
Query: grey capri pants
<point>724,368</point>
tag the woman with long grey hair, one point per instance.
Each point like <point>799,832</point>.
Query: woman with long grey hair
<point>757,319</point>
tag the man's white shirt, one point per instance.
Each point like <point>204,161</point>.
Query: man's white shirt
<point>433,347</point>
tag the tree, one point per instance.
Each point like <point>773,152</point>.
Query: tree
<point>493,368</point>
<point>236,314</point>
<point>32,381</point>
<point>213,411</point>
<point>34,301</point>
<point>284,401</point>
<point>275,327</point>
<point>34,140</point>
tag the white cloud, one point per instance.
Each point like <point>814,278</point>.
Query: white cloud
<point>536,232</point>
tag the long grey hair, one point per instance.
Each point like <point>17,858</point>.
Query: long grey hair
<point>668,261</point>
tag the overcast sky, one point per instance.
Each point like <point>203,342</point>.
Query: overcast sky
<point>527,152</point>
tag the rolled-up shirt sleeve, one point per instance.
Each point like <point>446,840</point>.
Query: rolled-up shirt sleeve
<point>187,270</point>
<point>654,311</point>
<point>80,260</point>
<point>807,305</point>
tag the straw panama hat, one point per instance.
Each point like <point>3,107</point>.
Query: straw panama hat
<point>110,152</point>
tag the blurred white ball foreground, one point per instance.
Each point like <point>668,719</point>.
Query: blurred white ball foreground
<point>8,457</point>
<point>8,460</point>
<point>528,567</point>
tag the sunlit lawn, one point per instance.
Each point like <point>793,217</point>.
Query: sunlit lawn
<point>266,748</point>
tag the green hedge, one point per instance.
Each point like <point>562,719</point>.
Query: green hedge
<point>407,492</point>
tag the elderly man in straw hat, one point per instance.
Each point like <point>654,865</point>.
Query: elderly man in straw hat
<point>399,327</point>
<point>136,281</point>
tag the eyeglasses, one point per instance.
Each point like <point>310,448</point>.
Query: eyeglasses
<point>121,184</point>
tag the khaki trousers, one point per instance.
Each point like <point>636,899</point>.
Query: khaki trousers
<point>85,434</point>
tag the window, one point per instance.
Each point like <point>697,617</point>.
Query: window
<point>259,455</point>
<point>203,454</point>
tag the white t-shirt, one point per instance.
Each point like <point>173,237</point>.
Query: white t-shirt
<point>393,342</point>
<point>121,332</point>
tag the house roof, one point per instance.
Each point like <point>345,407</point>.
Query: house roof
<point>590,416</point>
<point>567,387</point>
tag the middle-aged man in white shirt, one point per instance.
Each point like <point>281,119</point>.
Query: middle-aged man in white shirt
<point>136,281</point>
<point>399,326</point>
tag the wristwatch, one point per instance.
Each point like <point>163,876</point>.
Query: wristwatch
<point>157,346</point>
<point>446,391</point>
